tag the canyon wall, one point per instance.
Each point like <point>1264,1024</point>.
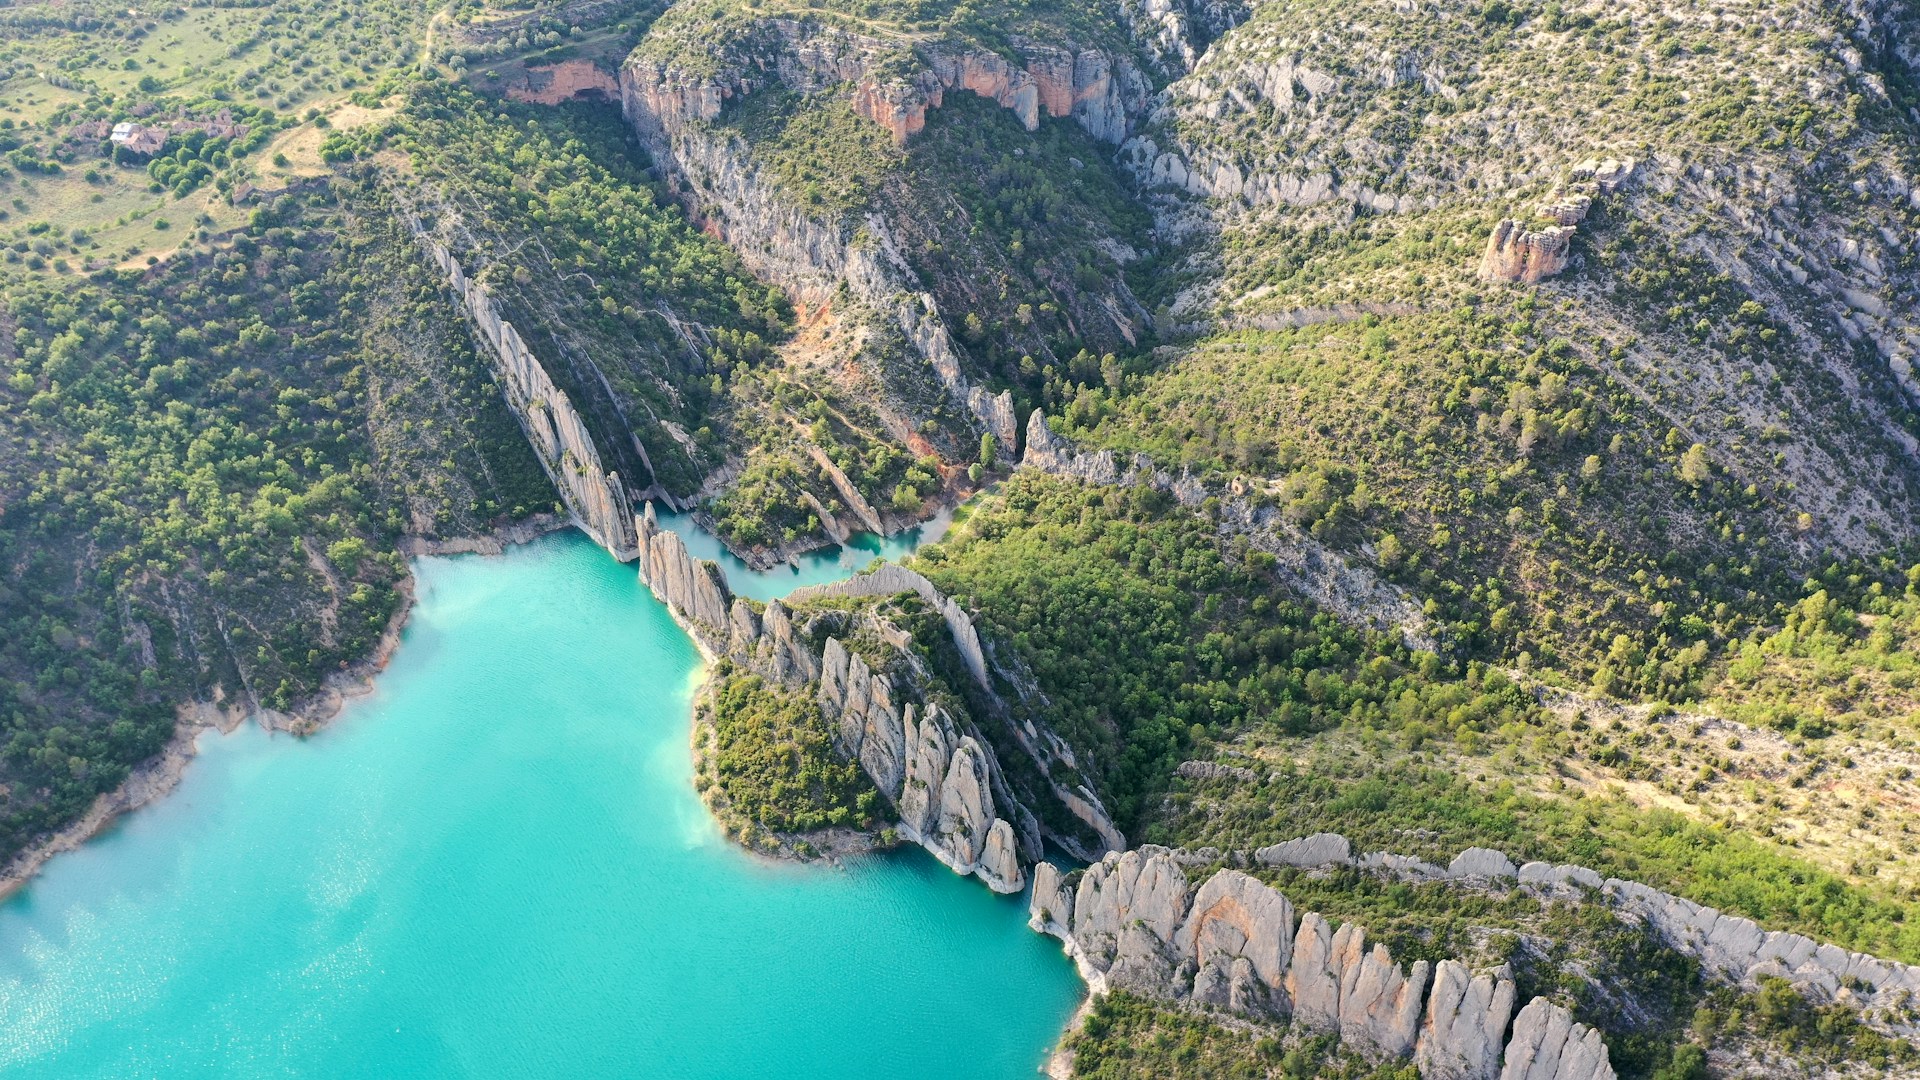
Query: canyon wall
<point>894,82</point>
<point>594,495</point>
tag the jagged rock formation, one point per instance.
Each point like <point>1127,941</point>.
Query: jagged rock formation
<point>942,777</point>
<point>694,591</point>
<point>1459,1034</point>
<point>1547,1044</point>
<point>1516,253</point>
<point>594,496</point>
<point>1135,923</point>
<point>1727,946</point>
<point>939,779</point>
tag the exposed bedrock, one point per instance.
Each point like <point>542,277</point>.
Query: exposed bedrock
<point>894,83</point>
<point>935,767</point>
<point>593,495</point>
<point>1133,921</point>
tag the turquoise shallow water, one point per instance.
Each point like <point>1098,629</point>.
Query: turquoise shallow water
<point>815,567</point>
<point>495,866</point>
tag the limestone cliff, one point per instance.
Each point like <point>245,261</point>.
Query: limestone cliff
<point>594,496</point>
<point>1728,946</point>
<point>891,80</point>
<point>932,764</point>
<point>1136,923</point>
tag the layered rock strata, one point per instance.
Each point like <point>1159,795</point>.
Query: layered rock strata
<point>934,767</point>
<point>1728,946</point>
<point>593,494</point>
<point>894,83</point>
<point>1133,921</point>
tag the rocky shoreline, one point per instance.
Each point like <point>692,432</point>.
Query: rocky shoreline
<point>158,775</point>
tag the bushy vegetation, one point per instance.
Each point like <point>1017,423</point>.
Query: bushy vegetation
<point>771,765</point>
<point>1127,1037</point>
<point>1152,643</point>
<point>203,471</point>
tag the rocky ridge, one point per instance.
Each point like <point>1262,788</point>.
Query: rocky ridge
<point>1310,568</point>
<point>1133,921</point>
<point>595,496</point>
<point>926,757</point>
<point>1728,946</point>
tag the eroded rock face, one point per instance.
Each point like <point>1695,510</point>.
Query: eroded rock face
<point>693,589</point>
<point>1515,253</point>
<point>1050,910</point>
<point>594,496</point>
<point>999,864</point>
<point>1548,1044</point>
<point>1126,914</point>
<point>1462,1033</point>
<point>1239,934</point>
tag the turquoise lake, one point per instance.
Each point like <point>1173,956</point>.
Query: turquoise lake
<point>495,866</point>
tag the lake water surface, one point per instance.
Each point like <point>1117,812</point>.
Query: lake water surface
<point>496,866</point>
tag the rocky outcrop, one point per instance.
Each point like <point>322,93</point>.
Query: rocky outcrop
<point>1728,946</point>
<point>938,778</point>
<point>1137,924</point>
<point>1461,1031</point>
<point>1320,849</point>
<point>1547,1044</point>
<point>594,496</point>
<point>552,84</point>
<point>695,591</point>
<point>1518,254</point>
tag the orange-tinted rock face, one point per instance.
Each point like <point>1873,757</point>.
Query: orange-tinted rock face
<point>1516,254</point>
<point>556,83</point>
<point>902,114</point>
